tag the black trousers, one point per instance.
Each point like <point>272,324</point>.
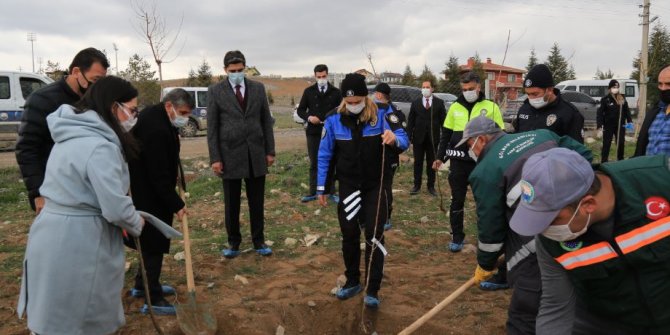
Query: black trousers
<point>525,302</point>
<point>232,189</point>
<point>388,186</point>
<point>313,143</point>
<point>153,263</point>
<point>357,210</point>
<point>459,172</point>
<point>609,133</point>
<point>423,148</point>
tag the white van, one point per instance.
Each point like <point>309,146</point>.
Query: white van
<point>15,87</point>
<point>198,119</point>
<point>598,89</point>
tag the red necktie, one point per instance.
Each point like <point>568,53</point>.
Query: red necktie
<point>427,103</point>
<point>239,96</point>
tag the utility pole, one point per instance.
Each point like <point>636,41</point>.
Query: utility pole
<point>32,38</point>
<point>644,64</point>
<point>116,55</point>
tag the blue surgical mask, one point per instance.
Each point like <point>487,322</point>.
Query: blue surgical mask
<point>178,121</point>
<point>236,77</point>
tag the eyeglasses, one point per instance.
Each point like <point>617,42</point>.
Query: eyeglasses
<point>130,112</point>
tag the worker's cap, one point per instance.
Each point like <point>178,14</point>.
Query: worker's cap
<point>550,180</point>
<point>480,125</point>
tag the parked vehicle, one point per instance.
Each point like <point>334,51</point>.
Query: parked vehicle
<point>597,89</point>
<point>15,87</point>
<point>584,103</point>
<point>401,96</point>
<point>447,97</point>
<point>198,118</point>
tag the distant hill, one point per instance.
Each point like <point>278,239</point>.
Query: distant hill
<point>283,89</point>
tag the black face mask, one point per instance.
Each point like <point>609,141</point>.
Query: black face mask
<point>83,89</point>
<point>665,96</point>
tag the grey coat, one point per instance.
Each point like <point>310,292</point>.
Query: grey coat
<point>238,137</point>
<point>73,270</point>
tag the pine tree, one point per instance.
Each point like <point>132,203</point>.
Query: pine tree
<point>532,59</point>
<point>603,75</point>
<point>204,74</point>
<point>427,75</point>
<point>558,65</point>
<point>408,77</point>
<point>659,57</point>
<point>140,75</point>
<point>478,68</point>
<point>452,75</point>
<point>192,79</point>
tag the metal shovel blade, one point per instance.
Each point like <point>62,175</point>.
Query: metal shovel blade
<point>194,318</point>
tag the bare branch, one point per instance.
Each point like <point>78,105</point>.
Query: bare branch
<point>153,30</point>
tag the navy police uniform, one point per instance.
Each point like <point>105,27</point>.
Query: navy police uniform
<point>354,150</point>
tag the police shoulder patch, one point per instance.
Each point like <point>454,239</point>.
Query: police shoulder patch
<point>393,118</point>
<point>551,119</point>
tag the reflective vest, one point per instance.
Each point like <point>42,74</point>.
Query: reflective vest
<point>626,276</point>
<point>458,116</point>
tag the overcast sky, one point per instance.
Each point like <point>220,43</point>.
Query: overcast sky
<point>288,37</point>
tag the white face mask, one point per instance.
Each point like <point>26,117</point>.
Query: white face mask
<point>128,124</point>
<point>562,233</point>
<point>538,103</point>
<point>178,121</point>
<point>356,109</point>
<point>471,153</point>
<point>471,96</point>
<point>614,90</point>
<point>322,82</point>
<point>426,92</point>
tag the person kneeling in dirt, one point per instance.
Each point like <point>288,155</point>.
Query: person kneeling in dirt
<point>602,242</point>
<point>496,188</point>
<point>153,177</point>
<point>360,134</point>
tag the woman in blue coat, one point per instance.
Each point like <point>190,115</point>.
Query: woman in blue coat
<point>73,270</point>
<point>356,137</point>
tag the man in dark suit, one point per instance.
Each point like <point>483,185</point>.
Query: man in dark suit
<point>153,177</point>
<point>34,143</point>
<point>241,147</point>
<point>426,116</point>
<point>317,100</point>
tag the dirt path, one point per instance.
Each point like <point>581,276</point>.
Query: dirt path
<point>285,140</point>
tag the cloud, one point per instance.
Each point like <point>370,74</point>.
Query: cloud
<point>289,37</point>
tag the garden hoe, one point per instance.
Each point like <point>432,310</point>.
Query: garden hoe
<point>194,318</point>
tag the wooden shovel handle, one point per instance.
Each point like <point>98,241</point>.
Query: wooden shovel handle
<point>419,322</point>
<point>190,282</point>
